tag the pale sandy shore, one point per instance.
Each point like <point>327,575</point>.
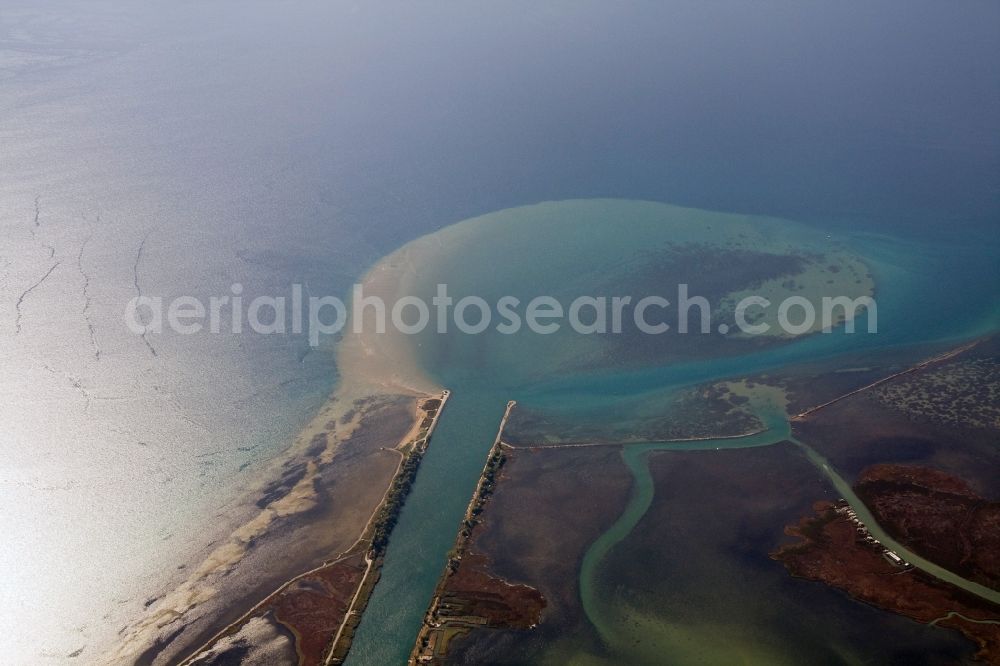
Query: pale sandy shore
<point>315,501</point>
<point>313,504</point>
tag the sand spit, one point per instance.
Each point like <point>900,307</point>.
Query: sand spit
<point>316,499</point>
<point>319,608</point>
<point>314,509</point>
<point>313,503</point>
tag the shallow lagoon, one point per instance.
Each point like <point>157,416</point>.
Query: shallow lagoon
<point>925,295</point>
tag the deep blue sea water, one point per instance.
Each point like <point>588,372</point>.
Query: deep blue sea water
<point>269,143</point>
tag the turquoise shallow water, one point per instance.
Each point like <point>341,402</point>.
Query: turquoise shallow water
<point>925,294</point>
<point>423,534</point>
<point>267,144</point>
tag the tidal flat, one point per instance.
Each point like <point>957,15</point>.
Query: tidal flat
<point>934,417</point>
<point>313,511</point>
<point>299,533</point>
<point>700,574</point>
<point>581,395</point>
<point>587,401</point>
<point>566,249</point>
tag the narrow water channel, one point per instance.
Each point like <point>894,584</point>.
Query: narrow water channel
<point>427,527</point>
<point>636,457</point>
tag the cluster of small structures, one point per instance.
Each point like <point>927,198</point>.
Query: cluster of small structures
<point>836,548</point>
<point>844,509</point>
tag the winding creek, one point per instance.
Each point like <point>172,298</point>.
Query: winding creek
<point>916,306</point>
<point>778,429</point>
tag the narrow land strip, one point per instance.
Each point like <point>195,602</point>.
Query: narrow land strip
<point>427,646</point>
<point>370,543</point>
<point>940,358</point>
<point>375,538</point>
